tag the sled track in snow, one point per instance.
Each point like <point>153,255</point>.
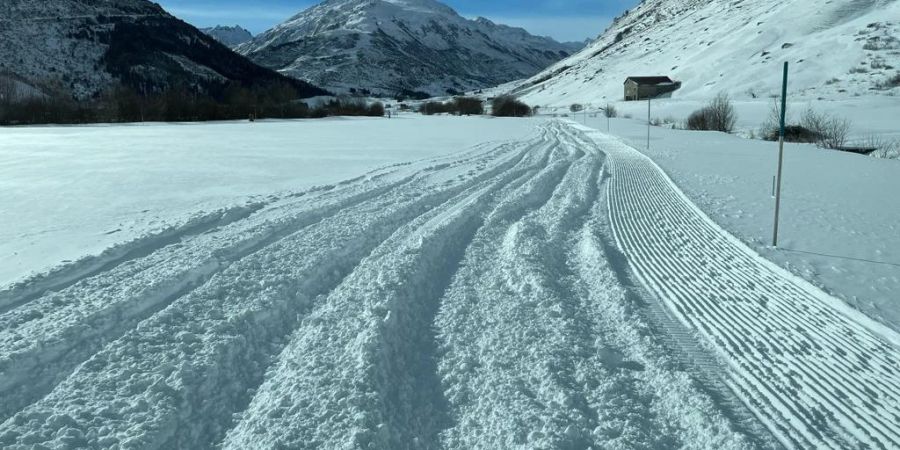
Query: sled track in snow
<point>469,301</point>
<point>817,374</point>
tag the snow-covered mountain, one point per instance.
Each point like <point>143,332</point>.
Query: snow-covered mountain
<point>389,46</point>
<point>837,48</point>
<point>230,36</point>
<point>85,46</point>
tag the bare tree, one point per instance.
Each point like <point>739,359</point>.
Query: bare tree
<point>468,106</point>
<point>721,113</point>
<point>830,131</point>
<point>610,111</point>
<point>717,115</point>
<point>771,127</point>
<point>508,106</point>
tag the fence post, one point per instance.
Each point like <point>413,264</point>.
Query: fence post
<point>648,122</point>
<point>780,155</point>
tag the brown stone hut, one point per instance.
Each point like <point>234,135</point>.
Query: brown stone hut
<point>642,88</point>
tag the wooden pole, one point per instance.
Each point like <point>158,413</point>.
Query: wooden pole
<point>778,177</point>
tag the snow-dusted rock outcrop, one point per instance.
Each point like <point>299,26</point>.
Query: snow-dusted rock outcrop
<point>230,36</point>
<point>85,46</point>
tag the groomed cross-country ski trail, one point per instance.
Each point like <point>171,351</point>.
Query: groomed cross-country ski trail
<point>556,291</point>
<point>815,372</point>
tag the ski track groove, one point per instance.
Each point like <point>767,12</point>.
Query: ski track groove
<point>413,199</point>
<point>558,383</point>
<point>45,341</point>
<point>477,300</point>
<point>454,317</point>
<point>795,411</point>
<point>780,337</point>
<point>627,319</point>
<point>61,278</point>
<point>829,399</point>
<point>393,381</point>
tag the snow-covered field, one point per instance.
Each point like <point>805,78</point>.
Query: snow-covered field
<point>70,192</point>
<point>544,285</point>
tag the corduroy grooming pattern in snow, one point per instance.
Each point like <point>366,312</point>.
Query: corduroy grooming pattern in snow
<point>817,373</point>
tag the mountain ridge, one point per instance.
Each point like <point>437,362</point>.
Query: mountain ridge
<point>84,48</point>
<point>840,48</point>
<point>391,46</point>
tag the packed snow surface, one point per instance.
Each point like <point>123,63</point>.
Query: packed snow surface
<point>76,191</point>
<point>552,288</point>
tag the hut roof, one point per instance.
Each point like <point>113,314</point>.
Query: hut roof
<point>645,81</point>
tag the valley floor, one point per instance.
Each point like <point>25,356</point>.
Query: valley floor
<point>550,290</point>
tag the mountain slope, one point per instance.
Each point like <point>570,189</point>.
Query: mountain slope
<point>391,46</point>
<point>83,47</point>
<point>229,36</point>
<point>836,48</point>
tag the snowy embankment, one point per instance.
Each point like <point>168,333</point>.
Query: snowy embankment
<point>550,290</point>
<point>840,224</point>
<point>70,192</point>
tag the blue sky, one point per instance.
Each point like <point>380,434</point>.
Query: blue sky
<point>566,20</point>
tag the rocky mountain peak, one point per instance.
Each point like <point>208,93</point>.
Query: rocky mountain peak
<point>397,46</point>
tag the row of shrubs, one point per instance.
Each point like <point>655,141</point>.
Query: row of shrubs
<point>822,129</point>
<point>813,127</point>
<point>177,104</point>
<point>503,106</point>
<point>717,115</point>
<point>609,110</point>
<point>56,104</point>
<point>460,106</point>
